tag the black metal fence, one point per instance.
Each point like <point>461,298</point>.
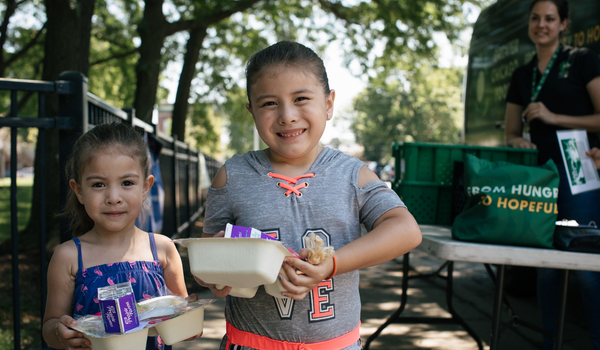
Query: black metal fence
<point>78,112</point>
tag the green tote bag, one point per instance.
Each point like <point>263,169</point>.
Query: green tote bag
<point>508,203</point>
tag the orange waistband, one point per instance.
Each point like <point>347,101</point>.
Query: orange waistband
<point>255,341</point>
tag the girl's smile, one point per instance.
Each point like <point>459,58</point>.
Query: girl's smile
<point>291,133</point>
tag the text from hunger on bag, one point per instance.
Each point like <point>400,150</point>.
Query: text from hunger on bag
<point>524,190</point>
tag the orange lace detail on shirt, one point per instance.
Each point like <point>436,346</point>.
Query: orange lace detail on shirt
<point>292,181</point>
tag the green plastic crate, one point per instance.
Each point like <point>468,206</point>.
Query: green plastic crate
<point>425,186</point>
<point>429,203</point>
<point>434,162</point>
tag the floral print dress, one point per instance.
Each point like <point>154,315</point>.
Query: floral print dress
<point>146,278</point>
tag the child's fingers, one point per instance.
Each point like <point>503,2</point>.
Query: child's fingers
<point>68,337</point>
<point>293,291</point>
<point>316,272</point>
<point>200,282</point>
<point>302,276</point>
<point>79,343</point>
<point>192,297</point>
<point>194,337</point>
<point>304,253</point>
<point>219,291</point>
<point>298,264</point>
<point>68,321</point>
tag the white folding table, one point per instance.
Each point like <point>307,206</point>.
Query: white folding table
<point>438,242</point>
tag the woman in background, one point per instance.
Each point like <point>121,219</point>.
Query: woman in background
<point>558,89</point>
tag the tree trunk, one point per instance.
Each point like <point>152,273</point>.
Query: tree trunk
<point>67,47</point>
<point>152,30</point>
<point>11,6</point>
<point>188,72</point>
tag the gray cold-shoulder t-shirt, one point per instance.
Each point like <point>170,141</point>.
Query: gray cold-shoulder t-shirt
<point>332,206</point>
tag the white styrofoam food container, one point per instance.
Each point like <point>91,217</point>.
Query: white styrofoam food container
<point>181,327</point>
<point>235,262</point>
<point>240,292</point>
<point>130,341</point>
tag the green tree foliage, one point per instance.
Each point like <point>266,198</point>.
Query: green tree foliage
<point>113,54</point>
<point>424,108</point>
<point>202,128</point>
<point>397,30</point>
<point>124,46</point>
<point>21,51</point>
<point>21,42</point>
<point>240,122</point>
<point>227,44</point>
<point>132,42</point>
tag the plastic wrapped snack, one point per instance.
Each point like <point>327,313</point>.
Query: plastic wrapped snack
<point>160,306</point>
<point>171,316</point>
<point>317,250</point>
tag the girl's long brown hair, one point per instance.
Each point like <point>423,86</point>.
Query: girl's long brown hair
<point>117,137</point>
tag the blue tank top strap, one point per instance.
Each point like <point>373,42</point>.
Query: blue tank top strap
<point>79,258</point>
<point>153,246</point>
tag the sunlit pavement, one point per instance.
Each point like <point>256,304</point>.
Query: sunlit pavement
<point>380,292</point>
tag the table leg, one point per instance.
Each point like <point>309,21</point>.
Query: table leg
<point>396,314</point>
<point>497,307</point>
<point>560,321</point>
<point>455,316</point>
<point>515,320</point>
<point>395,317</point>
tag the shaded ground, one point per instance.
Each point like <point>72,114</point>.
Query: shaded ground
<point>30,301</point>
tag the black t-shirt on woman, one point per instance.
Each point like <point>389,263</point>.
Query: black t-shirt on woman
<point>564,92</point>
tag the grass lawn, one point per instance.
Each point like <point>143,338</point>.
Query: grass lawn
<point>29,274</point>
<point>24,193</point>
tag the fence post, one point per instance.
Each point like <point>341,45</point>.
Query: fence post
<point>187,193</point>
<point>14,224</point>
<point>74,107</point>
<point>176,196</point>
<point>130,114</point>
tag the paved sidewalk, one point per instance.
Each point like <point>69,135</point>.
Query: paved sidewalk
<point>474,291</point>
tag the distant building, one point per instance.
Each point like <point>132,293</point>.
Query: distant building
<point>164,120</point>
<point>25,153</point>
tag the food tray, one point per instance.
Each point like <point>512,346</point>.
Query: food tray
<point>235,262</point>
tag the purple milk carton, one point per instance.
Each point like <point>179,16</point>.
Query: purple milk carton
<point>118,308</point>
<point>233,231</point>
